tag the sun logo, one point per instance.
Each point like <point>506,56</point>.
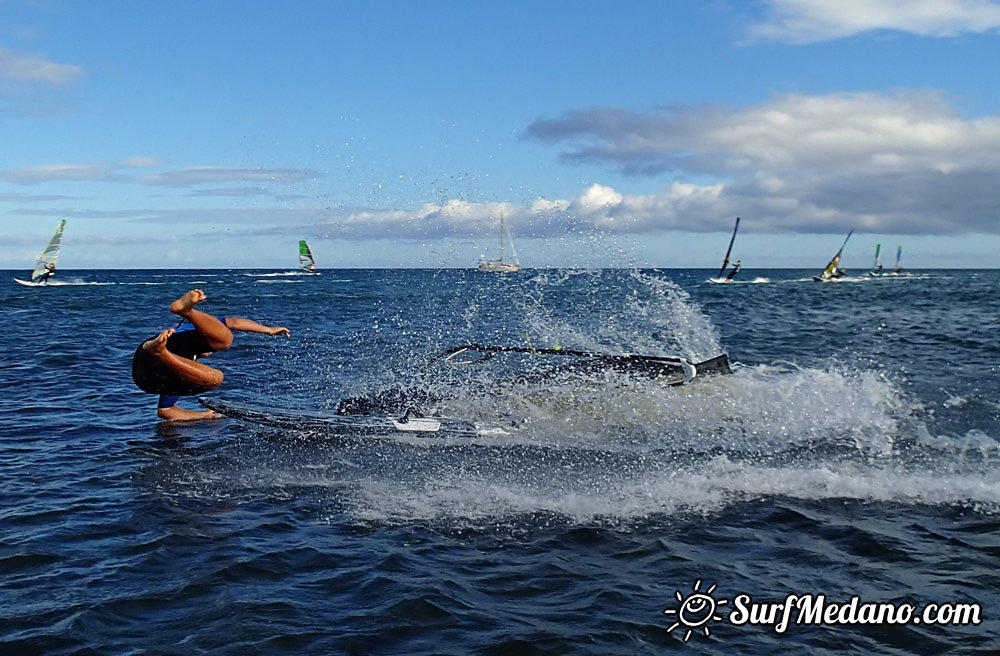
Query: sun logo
<point>696,610</point>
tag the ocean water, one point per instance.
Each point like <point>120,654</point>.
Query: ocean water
<point>853,452</point>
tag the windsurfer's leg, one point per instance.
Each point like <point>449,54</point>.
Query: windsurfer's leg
<point>217,334</point>
<point>189,371</point>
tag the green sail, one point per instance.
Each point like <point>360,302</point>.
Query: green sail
<point>306,260</point>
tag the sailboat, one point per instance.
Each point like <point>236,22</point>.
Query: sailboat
<point>877,266</point>
<point>45,268</point>
<point>499,265</point>
<point>725,260</point>
<point>833,270</point>
<point>307,263</point>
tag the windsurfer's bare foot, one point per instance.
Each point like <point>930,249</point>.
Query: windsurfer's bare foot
<point>179,414</point>
<point>158,345</point>
<point>186,303</point>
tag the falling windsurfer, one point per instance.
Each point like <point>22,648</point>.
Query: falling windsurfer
<point>166,364</point>
<point>736,269</point>
<point>833,269</point>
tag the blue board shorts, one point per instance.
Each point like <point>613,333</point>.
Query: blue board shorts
<point>151,375</point>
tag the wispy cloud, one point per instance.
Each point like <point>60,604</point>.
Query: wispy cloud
<point>810,21</point>
<point>83,172</point>
<point>53,172</point>
<point>36,70</point>
<point>121,171</point>
<point>237,192</point>
<point>903,162</point>
<point>216,174</point>
<point>35,198</point>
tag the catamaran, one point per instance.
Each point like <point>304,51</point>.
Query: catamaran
<point>725,260</point>
<point>306,261</point>
<point>45,268</point>
<point>499,265</point>
<point>833,270</point>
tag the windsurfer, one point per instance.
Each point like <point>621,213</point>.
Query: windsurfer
<point>50,270</point>
<point>736,269</point>
<point>166,364</point>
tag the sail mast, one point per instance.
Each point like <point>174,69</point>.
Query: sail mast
<point>725,260</point>
<point>501,236</point>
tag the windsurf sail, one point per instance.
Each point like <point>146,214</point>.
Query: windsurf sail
<point>667,370</point>
<point>877,265</point>
<point>725,260</point>
<point>678,369</point>
<point>899,257</point>
<point>47,260</point>
<point>831,269</point>
<point>306,260</point>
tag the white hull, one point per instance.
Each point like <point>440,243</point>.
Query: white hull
<point>498,267</point>
<point>28,283</point>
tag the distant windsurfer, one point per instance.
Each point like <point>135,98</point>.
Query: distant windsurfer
<point>166,365</point>
<point>50,270</point>
<point>736,269</point>
<point>832,269</point>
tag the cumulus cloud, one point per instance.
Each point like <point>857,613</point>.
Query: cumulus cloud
<point>899,162</point>
<point>810,21</point>
<point>904,162</point>
<point>37,70</point>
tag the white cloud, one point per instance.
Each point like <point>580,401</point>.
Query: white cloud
<point>599,199</point>
<point>24,68</point>
<point>810,21</point>
<point>902,162</point>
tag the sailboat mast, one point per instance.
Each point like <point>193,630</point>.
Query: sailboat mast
<point>839,250</point>
<point>725,260</point>
<point>501,236</point>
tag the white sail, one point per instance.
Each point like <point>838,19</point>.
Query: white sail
<point>47,260</point>
<point>499,265</point>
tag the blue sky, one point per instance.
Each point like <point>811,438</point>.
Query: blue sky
<point>393,134</point>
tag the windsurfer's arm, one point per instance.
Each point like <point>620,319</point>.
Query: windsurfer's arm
<point>173,413</point>
<point>248,326</point>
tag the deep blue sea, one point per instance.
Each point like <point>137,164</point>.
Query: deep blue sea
<point>853,452</point>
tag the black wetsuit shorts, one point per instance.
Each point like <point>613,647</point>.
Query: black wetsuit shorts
<point>154,377</point>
